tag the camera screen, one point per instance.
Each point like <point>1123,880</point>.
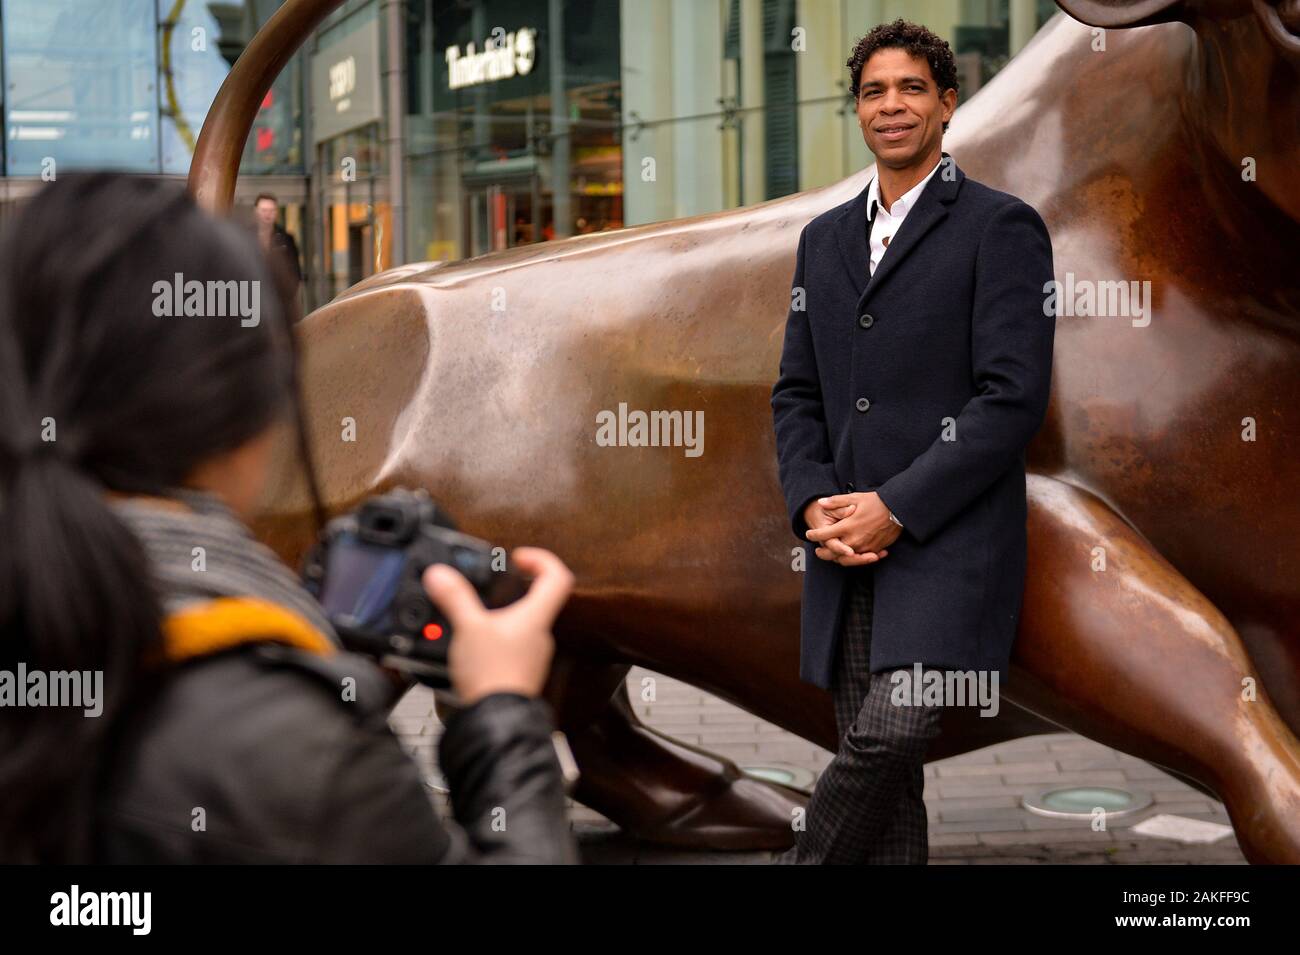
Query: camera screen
<point>361,581</point>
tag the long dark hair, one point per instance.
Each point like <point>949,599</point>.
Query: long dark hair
<point>132,401</point>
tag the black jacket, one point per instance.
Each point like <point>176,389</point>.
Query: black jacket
<point>254,755</point>
<point>923,382</point>
<point>283,245</point>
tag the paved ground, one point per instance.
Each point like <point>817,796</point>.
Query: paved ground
<point>973,800</point>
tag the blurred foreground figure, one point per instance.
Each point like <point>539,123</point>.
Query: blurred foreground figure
<point>168,691</point>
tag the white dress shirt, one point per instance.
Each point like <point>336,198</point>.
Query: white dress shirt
<point>885,223</point>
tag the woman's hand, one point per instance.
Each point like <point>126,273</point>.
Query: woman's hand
<point>507,650</point>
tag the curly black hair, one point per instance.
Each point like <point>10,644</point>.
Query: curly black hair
<point>917,41</point>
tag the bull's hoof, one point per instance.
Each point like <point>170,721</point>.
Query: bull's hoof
<point>670,793</point>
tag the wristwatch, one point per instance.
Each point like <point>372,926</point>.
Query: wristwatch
<point>895,519</point>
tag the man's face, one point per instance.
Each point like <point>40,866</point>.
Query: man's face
<point>900,108</point>
<point>266,210</point>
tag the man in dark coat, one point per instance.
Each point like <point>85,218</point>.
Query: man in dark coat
<point>916,369</point>
<point>274,238</point>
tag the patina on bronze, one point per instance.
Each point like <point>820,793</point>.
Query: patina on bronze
<point>1184,650</point>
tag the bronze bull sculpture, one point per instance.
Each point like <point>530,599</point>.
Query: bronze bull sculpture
<point>1163,591</point>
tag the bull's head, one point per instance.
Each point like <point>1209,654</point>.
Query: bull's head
<point>1243,82</point>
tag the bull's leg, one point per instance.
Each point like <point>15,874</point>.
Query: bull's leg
<point>653,786</point>
<point>1136,657</point>
<point>669,792</point>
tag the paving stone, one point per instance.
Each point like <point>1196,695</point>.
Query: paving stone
<point>1185,797</point>
<point>1075,764</point>
<point>1077,744</point>
<point>1014,757</point>
<point>1009,826</point>
<point>987,755</point>
<point>976,802</point>
<point>669,720</point>
<point>734,718</point>
<point>988,813</point>
<point>1035,821</point>
<point>1043,835</point>
<point>1042,778</point>
<point>953,770</point>
<point>944,839</point>
<point>786,752</point>
<point>669,712</point>
<point>967,787</point>
<point>726,736</point>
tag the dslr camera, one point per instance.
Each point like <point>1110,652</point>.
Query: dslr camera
<point>366,569</point>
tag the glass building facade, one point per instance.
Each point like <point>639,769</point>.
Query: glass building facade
<point>426,130</point>
<point>643,110</point>
<point>126,84</point>
<point>513,124</point>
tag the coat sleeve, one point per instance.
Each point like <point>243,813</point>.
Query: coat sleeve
<point>803,448</point>
<point>506,789</point>
<point>1011,356</point>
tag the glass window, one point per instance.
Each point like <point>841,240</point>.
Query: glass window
<point>197,45</point>
<point>80,79</point>
<point>126,84</point>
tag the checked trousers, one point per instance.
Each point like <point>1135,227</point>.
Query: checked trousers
<point>867,807</point>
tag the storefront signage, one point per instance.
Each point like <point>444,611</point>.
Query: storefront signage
<point>345,82</point>
<point>503,55</point>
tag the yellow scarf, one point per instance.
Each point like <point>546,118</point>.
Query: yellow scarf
<point>216,625</point>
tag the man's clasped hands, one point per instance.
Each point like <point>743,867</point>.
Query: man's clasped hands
<point>850,529</point>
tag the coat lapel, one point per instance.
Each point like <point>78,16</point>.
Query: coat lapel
<point>931,209</point>
<point>853,241</point>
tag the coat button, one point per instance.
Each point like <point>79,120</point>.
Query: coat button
<point>866,321</point>
<point>848,488</point>
<point>863,404</point>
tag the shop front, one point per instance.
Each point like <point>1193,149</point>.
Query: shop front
<point>511,137</point>
<point>348,129</point>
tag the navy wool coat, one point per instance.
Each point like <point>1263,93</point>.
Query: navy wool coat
<point>923,382</point>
